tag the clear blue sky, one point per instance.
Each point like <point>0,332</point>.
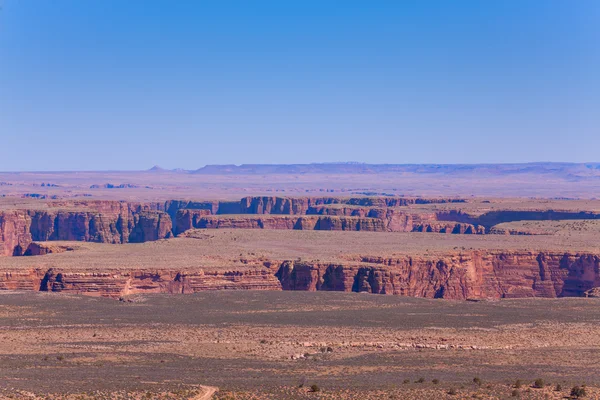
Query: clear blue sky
<point>126,84</point>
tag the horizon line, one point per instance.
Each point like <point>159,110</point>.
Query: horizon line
<point>157,168</point>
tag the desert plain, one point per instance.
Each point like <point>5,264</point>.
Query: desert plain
<point>284,282</point>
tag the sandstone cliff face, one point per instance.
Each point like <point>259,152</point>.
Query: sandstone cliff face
<point>276,205</point>
<point>350,224</point>
<point>98,221</point>
<point>449,227</point>
<point>301,205</point>
<point>118,283</point>
<point>382,208</point>
<point>122,222</point>
<point>14,232</point>
<point>475,274</point>
<point>492,218</point>
<point>193,219</point>
<point>20,279</point>
<point>186,219</point>
<point>150,226</point>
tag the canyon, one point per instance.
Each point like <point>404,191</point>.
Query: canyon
<point>41,240</point>
<point>154,284</point>
<point>461,266</point>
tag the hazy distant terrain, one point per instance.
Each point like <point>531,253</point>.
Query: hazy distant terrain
<point>549,180</point>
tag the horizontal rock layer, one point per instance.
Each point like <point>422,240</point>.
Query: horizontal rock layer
<point>474,274</point>
<point>123,222</point>
<point>301,205</point>
<point>109,222</point>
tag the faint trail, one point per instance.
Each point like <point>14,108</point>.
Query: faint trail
<point>207,393</point>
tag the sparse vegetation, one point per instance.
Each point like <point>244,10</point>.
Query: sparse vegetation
<point>518,384</point>
<point>242,341</point>
<point>315,388</point>
<point>477,381</point>
<point>420,380</point>
<point>538,383</point>
<point>578,392</point>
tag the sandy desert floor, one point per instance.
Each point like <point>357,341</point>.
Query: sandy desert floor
<point>276,345</point>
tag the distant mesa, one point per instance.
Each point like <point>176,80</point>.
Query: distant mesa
<point>159,169</point>
<point>565,170</point>
<point>111,186</point>
<point>560,169</point>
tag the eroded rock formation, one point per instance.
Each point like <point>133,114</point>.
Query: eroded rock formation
<point>465,275</point>
<point>462,276</point>
<point>94,221</point>
<point>123,222</point>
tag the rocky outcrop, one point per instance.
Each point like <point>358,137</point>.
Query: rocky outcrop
<point>15,234</point>
<point>21,279</point>
<point>449,227</point>
<point>150,226</point>
<point>41,249</point>
<point>350,224</point>
<point>594,292</point>
<point>186,219</point>
<point>119,283</point>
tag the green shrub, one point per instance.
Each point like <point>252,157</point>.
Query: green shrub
<point>435,381</point>
<point>577,392</point>
<point>420,380</point>
<point>315,388</point>
<point>518,384</point>
<point>477,381</point>
<point>538,383</point>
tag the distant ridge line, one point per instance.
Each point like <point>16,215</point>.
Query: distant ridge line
<point>576,169</point>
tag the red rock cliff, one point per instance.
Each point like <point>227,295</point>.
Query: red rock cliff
<point>94,221</point>
<point>476,274</point>
<point>473,275</point>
